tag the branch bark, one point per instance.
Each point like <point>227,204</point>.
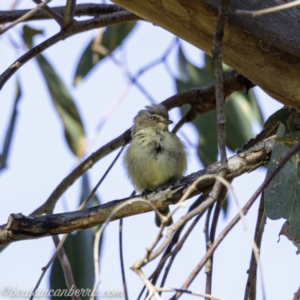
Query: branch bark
<point>20,227</point>
<point>265,50</point>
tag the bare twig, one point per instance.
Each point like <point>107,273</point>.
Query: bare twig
<point>250,291</point>
<point>178,247</point>
<point>215,219</point>
<point>189,292</point>
<point>297,295</point>
<point>244,211</point>
<point>172,253</point>
<point>52,13</point>
<point>122,260</point>
<point>65,264</point>
<point>217,55</point>
<point>48,206</point>
<point>69,11</point>
<point>24,17</point>
<point>214,196</point>
<point>199,210</point>
<point>257,13</point>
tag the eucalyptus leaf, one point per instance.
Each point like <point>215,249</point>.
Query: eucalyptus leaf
<point>282,194</point>
<point>101,46</point>
<point>65,106</point>
<point>11,127</point>
<point>62,100</point>
<point>28,35</point>
<point>79,250</point>
<point>241,110</point>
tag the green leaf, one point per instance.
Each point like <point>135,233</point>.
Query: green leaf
<point>79,249</point>
<point>256,110</point>
<point>66,108</point>
<point>29,33</point>
<point>11,127</point>
<point>62,100</point>
<point>241,110</point>
<point>282,194</point>
<point>101,46</point>
<point>281,115</point>
<point>239,119</point>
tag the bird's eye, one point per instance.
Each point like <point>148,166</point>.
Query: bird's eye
<point>153,118</point>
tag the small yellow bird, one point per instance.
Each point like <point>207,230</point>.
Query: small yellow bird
<point>155,156</point>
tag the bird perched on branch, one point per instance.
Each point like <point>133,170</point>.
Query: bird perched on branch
<point>155,156</point>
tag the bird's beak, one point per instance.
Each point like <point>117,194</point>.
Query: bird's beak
<point>167,122</point>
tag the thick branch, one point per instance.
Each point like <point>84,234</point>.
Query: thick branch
<point>20,227</point>
<point>265,50</point>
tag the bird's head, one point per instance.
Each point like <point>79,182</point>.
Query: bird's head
<point>155,116</point>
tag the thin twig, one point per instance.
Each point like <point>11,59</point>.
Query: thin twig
<point>250,290</point>
<point>260,12</point>
<point>189,292</point>
<point>172,253</point>
<point>69,11</point>
<point>133,78</point>
<point>52,13</point>
<point>178,247</point>
<point>297,295</point>
<point>217,55</point>
<point>67,269</point>
<point>24,17</point>
<point>213,197</point>
<point>199,210</point>
<point>213,228</point>
<point>122,260</point>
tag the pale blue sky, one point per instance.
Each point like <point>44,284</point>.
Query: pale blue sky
<point>39,160</point>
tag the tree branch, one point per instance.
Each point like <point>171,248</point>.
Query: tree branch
<point>265,50</point>
<point>67,31</point>
<point>52,13</point>
<point>20,227</point>
<point>89,9</point>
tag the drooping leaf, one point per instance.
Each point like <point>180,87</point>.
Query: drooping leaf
<point>10,128</point>
<point>62,100</point>
<point>256,109</point>
<point>281,115</point>
<point>66,108</point>
<point>286,231</point>
<point>79,249</point>
<point>238,121</point>
<point>100,46</point>
<point>282,194</point>
<point>241,110</point>
<point>28,35</point>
